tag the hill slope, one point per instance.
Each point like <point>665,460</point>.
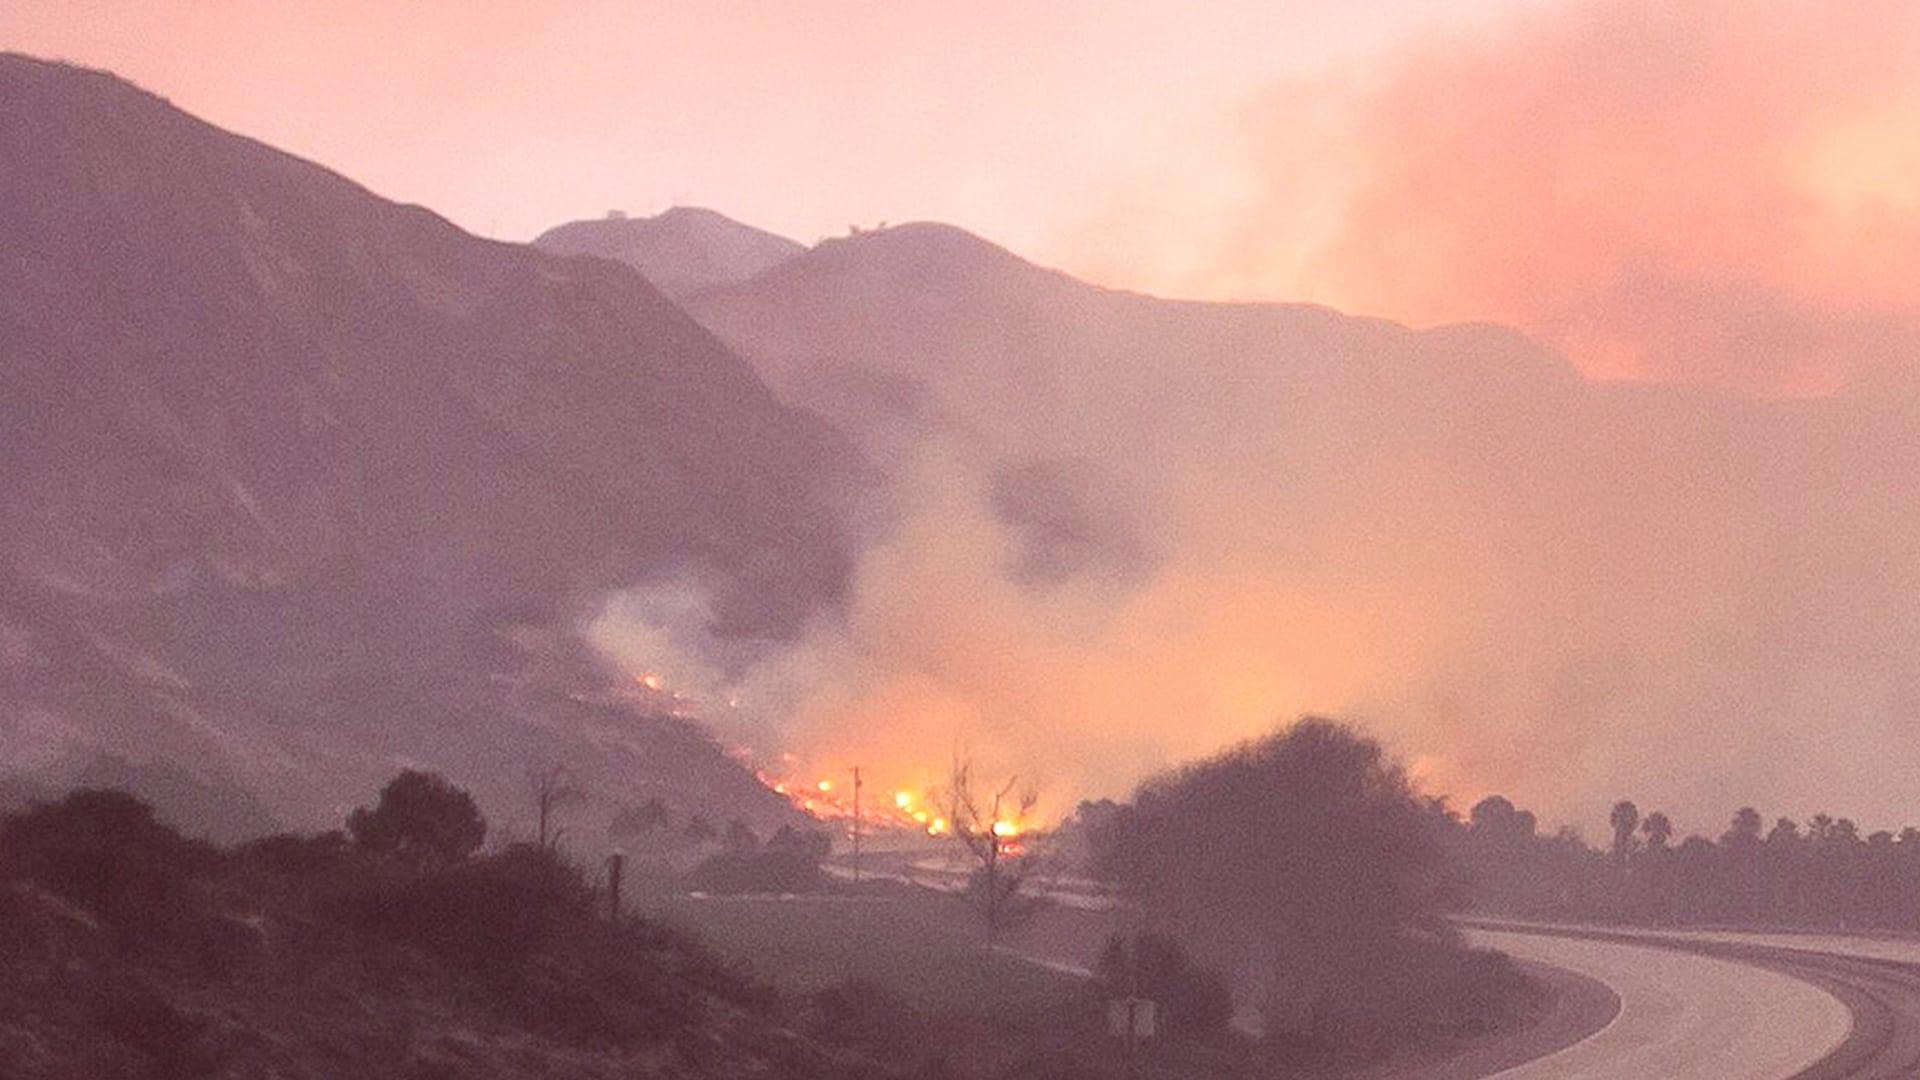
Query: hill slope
<point>303,483</point>
<point>682,251</point>
<point>1528,580</point>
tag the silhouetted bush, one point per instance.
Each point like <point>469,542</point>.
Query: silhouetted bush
<point>487,914</point>
<point>1192,1002</point>
<point>295,855</point>
<point>510,946</point>
<point>1412,988</point>
<point>106,852</point>
<point>1294,861</point>
<point>421,819</point>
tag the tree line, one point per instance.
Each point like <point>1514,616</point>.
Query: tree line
<point>1821,873</point>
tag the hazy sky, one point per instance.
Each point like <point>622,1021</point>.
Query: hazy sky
<point>1724,191</point>
<point>1022,121</point>
<point>803,116</point>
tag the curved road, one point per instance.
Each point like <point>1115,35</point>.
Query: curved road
<point>1702,1005</point>
<point>1683,1015</point>
<point>1876,980</point>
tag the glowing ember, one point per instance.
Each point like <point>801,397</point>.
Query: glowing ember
<point>651,682</point>
<point>828,796</point>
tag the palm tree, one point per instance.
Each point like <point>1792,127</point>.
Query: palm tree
<point>1625,818</point>
<point>1659,830</point>
<point>1819,827</point>
<point>1745,830</point>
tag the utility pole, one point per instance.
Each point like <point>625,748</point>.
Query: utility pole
<point>856,824</point>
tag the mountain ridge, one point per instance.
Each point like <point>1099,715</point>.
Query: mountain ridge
<point>682,250</point>
<point>282,448</point>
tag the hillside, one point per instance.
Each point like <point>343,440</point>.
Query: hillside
<point>681,251</point>
<point>302,483</point>
<point>1278,507</point>
<point>128,952</point>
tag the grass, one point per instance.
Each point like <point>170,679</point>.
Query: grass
<point>924,947</point>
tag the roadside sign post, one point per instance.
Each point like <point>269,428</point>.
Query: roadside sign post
<point>1131,1019</point>
<point>856,824</point>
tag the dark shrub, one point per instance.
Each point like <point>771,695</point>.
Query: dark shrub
<point>1415,987</point>
<point>489,914</point>
<point>1305,856</point>
<point>105,851</point>
<point>295,855</point>
<point>421,819</point>
<point>1193,1002</point>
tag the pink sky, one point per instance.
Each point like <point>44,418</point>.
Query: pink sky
<point>1717,190</point>
<point>802,117</point>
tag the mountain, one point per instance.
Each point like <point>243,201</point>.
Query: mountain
<point>303,484</point>
<point>1089,409</point>
<point>682,251</point>
<point>926,320</point>
<point>1528,581</point>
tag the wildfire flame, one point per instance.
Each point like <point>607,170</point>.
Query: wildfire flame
<point>826,798</point>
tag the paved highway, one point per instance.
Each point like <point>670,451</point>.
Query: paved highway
<point>1706,1005</point>
<point>1683,1015</point>
<point>1877,978</point>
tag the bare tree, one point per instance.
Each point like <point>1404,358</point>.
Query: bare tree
<point>989,827</point>
<point>552,789</point>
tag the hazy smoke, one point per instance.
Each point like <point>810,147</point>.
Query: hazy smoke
<point>1525,583</point>
<point>1724,191</point>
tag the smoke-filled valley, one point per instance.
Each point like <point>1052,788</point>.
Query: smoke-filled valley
<point>685,648</point>
<point>1127,530</point>
<point>1081,527</point>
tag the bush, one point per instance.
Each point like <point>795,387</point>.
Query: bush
<point>1413,988</point>
<point>1193,1002</point>
<point>488,915</point>
<point>294,855</point>
<point>421,819</point>
<point>105,851</point>
<point>1300,860</point>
